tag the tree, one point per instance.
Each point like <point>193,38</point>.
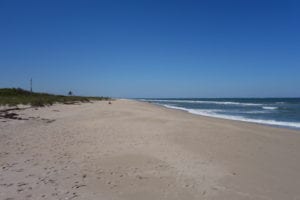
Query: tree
<point>70,93</point>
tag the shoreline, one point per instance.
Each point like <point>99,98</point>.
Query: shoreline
<point>23,107</point>
<point>222,120</point>
<point>270,123</point>
<point>136,150</point>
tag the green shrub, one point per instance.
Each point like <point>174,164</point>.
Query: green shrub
<point>37,103</point>
<point>15,96</point>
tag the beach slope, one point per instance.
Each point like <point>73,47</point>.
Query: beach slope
<point>134,150</point>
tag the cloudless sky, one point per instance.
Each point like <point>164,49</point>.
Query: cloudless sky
<point>147,48</point>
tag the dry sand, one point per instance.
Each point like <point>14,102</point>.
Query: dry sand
<point>134,151</point>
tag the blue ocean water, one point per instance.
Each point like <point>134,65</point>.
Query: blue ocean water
<point>284,112</point>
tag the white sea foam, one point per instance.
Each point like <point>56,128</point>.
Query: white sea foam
<point>212,113</point>
<point>269,108</point>
<point>203,102</point>
<point>255,112</point>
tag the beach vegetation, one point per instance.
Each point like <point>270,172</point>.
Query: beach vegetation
<point>16,96</point>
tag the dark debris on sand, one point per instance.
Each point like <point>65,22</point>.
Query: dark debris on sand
<point>8,114</point>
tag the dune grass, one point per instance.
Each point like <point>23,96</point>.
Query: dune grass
<point>15,96</point>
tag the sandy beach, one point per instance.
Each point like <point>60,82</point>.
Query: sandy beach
<point>138,151</point>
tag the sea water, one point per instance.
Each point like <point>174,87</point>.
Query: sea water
<point>284,112</point>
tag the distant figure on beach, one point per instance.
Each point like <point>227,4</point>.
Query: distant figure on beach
<point>109,102</point>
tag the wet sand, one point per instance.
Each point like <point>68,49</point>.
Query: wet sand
<point>133,150</point>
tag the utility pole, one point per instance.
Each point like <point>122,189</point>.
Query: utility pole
<point>31,85</point>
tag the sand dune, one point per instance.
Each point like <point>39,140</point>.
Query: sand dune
<point>132,150</point>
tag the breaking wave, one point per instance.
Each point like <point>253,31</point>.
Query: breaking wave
<point>214,113</point>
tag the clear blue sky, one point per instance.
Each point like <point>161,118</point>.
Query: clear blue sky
<point>148,48</point>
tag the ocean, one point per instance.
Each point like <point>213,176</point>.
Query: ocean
<point>283,112</point>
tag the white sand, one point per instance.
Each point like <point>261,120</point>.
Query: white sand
<point>132,150</point>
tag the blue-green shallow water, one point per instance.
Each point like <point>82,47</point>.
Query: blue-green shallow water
<point>284,112</point>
